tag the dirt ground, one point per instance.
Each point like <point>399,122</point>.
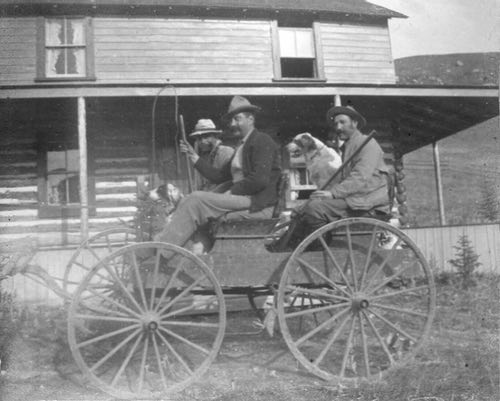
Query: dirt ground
<point>251,365</point>
<point>459,363</point>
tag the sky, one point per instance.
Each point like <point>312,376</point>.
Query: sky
<point>443,26</point>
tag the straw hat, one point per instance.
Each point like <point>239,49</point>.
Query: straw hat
<point>203,127</point>
<point>348,111</point>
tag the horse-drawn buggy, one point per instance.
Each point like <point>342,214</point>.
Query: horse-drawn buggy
<point>354,299</point>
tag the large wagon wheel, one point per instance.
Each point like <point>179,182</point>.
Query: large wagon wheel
<point>91,251</point>
<point>146,321</point>
<point>356,297</point>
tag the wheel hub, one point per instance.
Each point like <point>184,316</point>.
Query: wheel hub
<point>151,321</point>
<point>359,302</point>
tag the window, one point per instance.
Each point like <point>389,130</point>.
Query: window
<point>59,178</point>
<point>297,53</point>
<point>65,49</point>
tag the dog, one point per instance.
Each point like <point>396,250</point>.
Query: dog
<point>169,196</point>
<point>321,161</point>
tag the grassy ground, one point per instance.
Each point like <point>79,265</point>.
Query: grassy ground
<point>469,159</point>
<point>460,362</point>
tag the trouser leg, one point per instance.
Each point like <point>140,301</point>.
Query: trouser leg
<point>319,212</point>
<point>195,210</point>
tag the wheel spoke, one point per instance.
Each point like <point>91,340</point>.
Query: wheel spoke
<point>390,324</point>
<point>399,292</point>
<point>114,350</point>
<point>334,261</point>
<point>155,277</point>
<point>317,272</point>
<point>312,291</point>
<point>366,357</point>
<point>320,327</point>
<point>160,367</point>
<point>184,340</point>
<point>124,288</point>
<point>94,253</point>
<point>314,310</point>
<point>348,346</point>
<point>368,256</point>
<point>175,353</point>
<point>181,295</point>
<point>187,308</point>
<point>139,280</point>
<point>143,363</point>
<point>379,337</point>
<point>396,309</point>
<point>126,361</point>
<point>107,318</point>
<point>382,265</point>
<point>169,285</point>
<point>112,301</point>
<point>89,269</point>
<point>189,324</point>
<point>331,340</point>
<point>107,335</point>
<point>389,279</point>
<point>351,257</point>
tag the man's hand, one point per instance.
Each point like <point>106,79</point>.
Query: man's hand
<point>321,195</point>
<point>185,147</point>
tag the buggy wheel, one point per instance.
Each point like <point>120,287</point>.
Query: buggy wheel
<point>146,321</point>
<point>356,298</point>
<point>91,251</point>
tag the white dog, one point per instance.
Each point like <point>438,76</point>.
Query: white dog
<point>321,161</point>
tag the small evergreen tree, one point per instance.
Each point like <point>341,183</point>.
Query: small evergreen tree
<point>489,204</point>
<point>466,261</point>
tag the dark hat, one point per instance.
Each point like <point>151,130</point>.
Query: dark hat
<point>348,111</point>
<point>239,104</point>
<point>203,127</point>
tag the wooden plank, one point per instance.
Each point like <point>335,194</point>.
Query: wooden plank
<point>243,53</point>
<point>179,24</point>
<point>136,48</point>
<point>146,30</point>
<point>181,66</point>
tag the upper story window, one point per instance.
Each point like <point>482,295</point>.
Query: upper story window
<point>65,48</point>
<point>297,53</point>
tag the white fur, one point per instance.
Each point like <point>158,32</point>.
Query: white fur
<point>321,161</point>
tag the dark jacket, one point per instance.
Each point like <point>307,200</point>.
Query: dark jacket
<point>261,171</point>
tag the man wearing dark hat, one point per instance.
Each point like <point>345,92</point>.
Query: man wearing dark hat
<point>363,185</point>
<point>210,148</point>
<point>249,180</point>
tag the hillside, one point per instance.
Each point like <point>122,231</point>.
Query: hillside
<point>470,160</point>
<point>449,69</point>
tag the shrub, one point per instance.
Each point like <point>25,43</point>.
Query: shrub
<point>8,327</point>
<point>466,261</point>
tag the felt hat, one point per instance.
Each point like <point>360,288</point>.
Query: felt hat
<point>204,126</point>
<point>348,111</point>
<point>239,104</point>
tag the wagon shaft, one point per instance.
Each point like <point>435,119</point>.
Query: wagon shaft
<point>16,255</point>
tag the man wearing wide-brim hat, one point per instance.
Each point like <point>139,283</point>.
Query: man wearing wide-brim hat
<point>209,146</point>
<point>247,184</point>
<point>364,182</point>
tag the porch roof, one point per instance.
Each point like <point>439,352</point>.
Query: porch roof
<point>346,7</point>
<point>420,114</point>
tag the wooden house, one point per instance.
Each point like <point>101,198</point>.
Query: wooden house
<point>90,90</point>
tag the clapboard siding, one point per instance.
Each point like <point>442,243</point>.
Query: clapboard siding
<point>139,50</point>
<point>17,50</point>
<point>182,50</point>
<point>357,53</point>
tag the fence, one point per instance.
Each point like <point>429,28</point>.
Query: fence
<point>435,242</point>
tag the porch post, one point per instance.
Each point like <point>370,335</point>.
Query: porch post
<point>82,147</point>
<point>439,187</point>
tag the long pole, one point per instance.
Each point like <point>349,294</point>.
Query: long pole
<point>82,148</point>
<point>439,185</point>
<point>189,172</point>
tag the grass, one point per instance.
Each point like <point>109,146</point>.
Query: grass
<point>461,360</point>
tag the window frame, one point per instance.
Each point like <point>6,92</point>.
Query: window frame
<point>318,59</point>
<point>42,51</point>
<point>70,210</point>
